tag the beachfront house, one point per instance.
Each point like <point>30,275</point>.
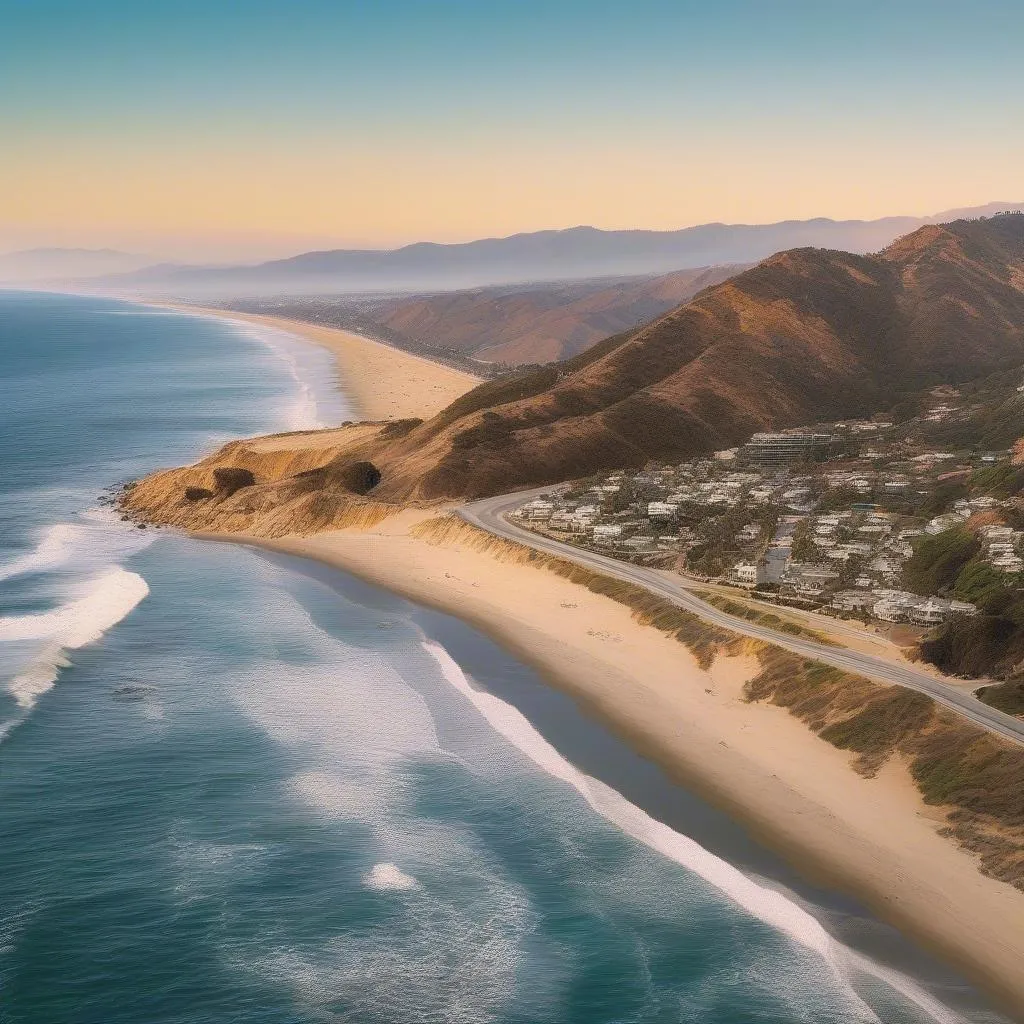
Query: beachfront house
<point>894,606</point>
<point>856,601</point>
<point>607,533</point>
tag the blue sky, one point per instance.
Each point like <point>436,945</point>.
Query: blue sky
<point>452,119</point>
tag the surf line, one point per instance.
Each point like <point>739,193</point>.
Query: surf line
<point>769,906</point>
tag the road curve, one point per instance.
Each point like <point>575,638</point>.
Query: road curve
<point>489,514</point>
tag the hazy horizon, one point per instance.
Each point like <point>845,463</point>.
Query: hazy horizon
<point>200,258</point>
<point>256,130</point>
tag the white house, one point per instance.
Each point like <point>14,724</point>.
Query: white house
<point>945,522</point>
<point>930,612</point>
<point>538,511</point>
<point>661,509</point>
<point>747,573</point>
<point>853,601</point>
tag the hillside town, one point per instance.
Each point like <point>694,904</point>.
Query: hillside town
<point>824,518</point>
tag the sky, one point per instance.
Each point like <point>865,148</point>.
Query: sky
<point>232,129</point>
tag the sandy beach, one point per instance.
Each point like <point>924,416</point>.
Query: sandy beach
<point>381,382</point>
<point>874,838</point>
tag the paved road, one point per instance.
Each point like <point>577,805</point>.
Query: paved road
<point>489,515</point>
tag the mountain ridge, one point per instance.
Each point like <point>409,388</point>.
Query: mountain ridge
<point>549,255</point>
<point>501,324</point>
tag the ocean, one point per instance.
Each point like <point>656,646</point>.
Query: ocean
<point>238,787</point>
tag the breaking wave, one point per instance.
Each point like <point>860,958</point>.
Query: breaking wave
<point>387,876</point>
<point>53,549</point>
<point>108,600</point>
<point>304,412</point>
<point>771,907</point>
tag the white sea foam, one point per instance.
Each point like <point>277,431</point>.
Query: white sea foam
<point>359,733</point>
<point>340,796</point>
<point>305,412</point>
<point>30,684</point>
<point>108,599</point>
<point>82,621</point>
<point>54,547</point>
<point>436,961</point>
<point>96,538</point>
<point>318,402</point>
<point>767,905</point>
<point>91,544</point>
<point>387,876</point>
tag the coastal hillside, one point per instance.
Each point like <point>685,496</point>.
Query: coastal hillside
<point>502,325</point>
<point>807,335</point>
<point>541,325</point>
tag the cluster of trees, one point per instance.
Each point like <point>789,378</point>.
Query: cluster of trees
<point>718,548</point>
<point>990,643</point>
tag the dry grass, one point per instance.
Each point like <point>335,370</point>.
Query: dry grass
<point>762,618</point>
<point>976,776</point>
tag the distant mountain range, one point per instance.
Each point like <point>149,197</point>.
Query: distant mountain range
<point>571,254</point>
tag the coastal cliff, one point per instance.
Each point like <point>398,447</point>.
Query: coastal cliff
<point>293,483</point>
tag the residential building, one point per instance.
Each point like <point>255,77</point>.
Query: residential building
<point>768,449</point>
<point>853,601</point>
<point>661,509</point>
<point>748,574</point>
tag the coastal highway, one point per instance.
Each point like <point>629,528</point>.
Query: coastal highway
<point>489,514</point>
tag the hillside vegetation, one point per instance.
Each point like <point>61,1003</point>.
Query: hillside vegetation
<point>808,335</point>
<point>989,644</point>
<point>540,324</point>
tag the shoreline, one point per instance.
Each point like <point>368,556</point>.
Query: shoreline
<point>798,795</point>
<point>380,382</point>
<point>583,739</point>
<point>837,829</point>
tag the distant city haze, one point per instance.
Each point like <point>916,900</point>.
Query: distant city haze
<point>230,132</point>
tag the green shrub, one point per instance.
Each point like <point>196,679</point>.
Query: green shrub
<point>938,560</point>
<point>1007,697</point>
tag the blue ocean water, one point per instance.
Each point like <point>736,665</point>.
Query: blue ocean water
<point>237,788</point>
